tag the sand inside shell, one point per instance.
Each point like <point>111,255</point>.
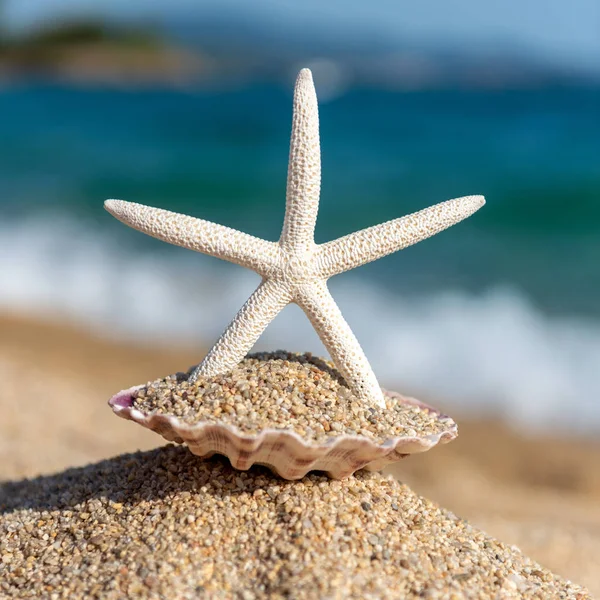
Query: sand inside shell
<point>289,391</point>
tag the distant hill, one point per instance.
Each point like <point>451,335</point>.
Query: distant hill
<point>224,47</point>
<point>91,52</point>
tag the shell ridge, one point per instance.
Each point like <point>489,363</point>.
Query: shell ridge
<point>284,451</point>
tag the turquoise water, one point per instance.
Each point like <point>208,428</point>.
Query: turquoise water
<point>535,155</point>
<point>518,283</point>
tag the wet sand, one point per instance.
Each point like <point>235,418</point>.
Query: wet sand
<point>539,493</point>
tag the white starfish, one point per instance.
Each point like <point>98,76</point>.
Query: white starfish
<point>295,269</point>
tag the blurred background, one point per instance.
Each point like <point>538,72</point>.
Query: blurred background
<point>186,105</point>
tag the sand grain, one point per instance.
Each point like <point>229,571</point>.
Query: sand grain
<point>284,390</point>
<point>165,524</point>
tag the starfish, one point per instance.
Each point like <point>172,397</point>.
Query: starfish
<point>295,269</point>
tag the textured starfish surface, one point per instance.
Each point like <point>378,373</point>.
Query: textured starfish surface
<point>295,269</point>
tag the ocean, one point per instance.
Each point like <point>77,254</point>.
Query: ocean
<point>497,317</point>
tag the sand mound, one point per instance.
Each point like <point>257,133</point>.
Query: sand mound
<point>165,524</point>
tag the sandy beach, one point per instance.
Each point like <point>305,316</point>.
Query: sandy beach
<point>538,493</point>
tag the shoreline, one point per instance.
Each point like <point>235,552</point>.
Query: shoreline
<point>540,492</point>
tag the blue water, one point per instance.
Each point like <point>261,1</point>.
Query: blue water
<point>504,306</point>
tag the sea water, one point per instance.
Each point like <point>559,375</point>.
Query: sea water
<point>500,315</point>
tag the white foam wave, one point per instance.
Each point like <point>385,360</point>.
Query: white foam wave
<point>493,354</point>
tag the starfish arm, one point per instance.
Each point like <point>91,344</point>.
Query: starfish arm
<point>364,246</point>
<point>304,169</point>
<point>199,235</point>
<point>241,334</point>
<point>342,345</point>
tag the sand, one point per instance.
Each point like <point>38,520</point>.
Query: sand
<point>534,491</point>
<point>165,524</point>
<point>284,390</point>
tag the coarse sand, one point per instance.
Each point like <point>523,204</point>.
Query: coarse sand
<point>533,489</point>
<point>285,390</point>
<point>165,524</point>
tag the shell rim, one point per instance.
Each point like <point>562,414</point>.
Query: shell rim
<point>157,422</point>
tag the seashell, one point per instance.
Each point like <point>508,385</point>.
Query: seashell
<point>284,451</point>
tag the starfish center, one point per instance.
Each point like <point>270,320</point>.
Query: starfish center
<point>299,268</point>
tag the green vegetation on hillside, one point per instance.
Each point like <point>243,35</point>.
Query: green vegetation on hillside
<point>46,45</point>
<point>95,52</point>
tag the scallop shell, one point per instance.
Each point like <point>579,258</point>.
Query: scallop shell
<point>283,451</point>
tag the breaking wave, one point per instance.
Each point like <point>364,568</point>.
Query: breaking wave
<point>492,354</point>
